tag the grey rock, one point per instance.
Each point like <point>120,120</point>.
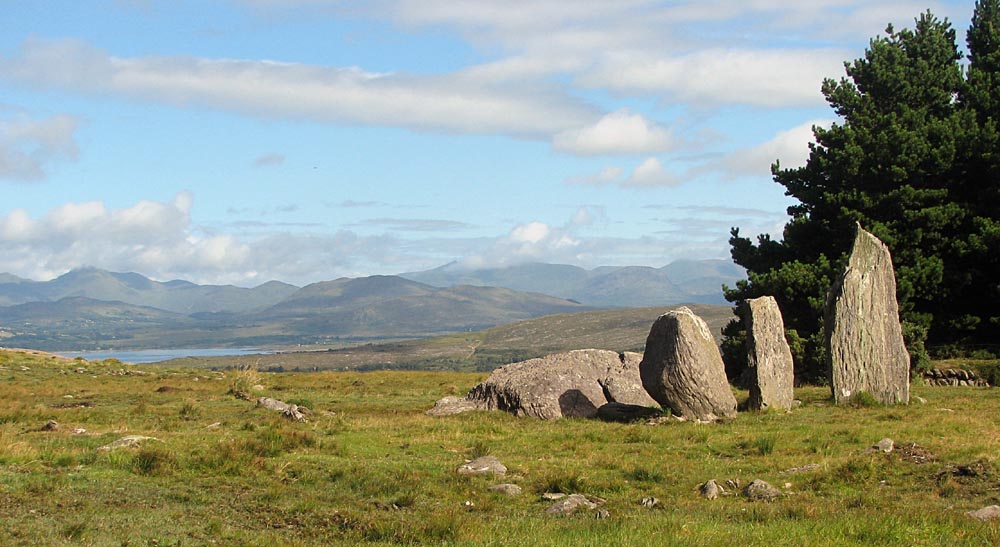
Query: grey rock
<point>768,356</point>
<point>507,489</point>
<point>572,385</point>
<point>711,490</point>
<point>759,490</point>
<point>292,412</point>
<point>864,338</point>
<point>128,441</point>
<point>450,406</point>
<point>991,512</point>
<point>625,413</point>
<point>649,502</point>
<point>602,514</point>
<point>553,496</point>
<point>885,445</point>
<point>51,425</point>
<point>682,368</point>
<point>485,465</point>
<point>570,504</point>
<point>802,469</point>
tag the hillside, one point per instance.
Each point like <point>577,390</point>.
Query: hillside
<point>680,282</point>
<point>132,288</point>
<point>617,329</point>
<point>374,308</point>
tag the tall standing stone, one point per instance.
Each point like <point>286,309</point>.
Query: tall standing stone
<point>864,338</point>
<point>682,368</point>
<point>769,357</point>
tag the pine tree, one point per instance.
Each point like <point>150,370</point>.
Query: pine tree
<point>889,164</point>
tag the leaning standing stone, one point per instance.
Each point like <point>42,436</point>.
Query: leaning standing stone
<point>682,368</point>
<point>769,356</point>
<point>864,338</point>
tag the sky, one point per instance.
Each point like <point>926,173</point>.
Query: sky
<point>242,141</point>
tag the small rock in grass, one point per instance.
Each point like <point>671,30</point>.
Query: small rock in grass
<point>759,490</point>
<point>649,502</point>
<point>711,490</point>
<point>571,504</point>
<point>553,496</point>
<point>885,445</point>
<point>128,441</point>
<point>991,512</point>
<point>485,465</point>
<point>602,514</point>
<point>506,489</point>
<point>51,425</point>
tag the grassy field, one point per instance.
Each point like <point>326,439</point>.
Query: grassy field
<point>370,468</point>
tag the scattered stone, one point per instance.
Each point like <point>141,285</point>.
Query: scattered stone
<point>292,412</point>
<point>733,483</point>
<point>570,504</point>
<point>450,406</point>
<point>991,512</point>
<point>865,349</point>
<point>572,385</point>
<point>51,425</point>
<point>768,356</point>
<point>79,431</point>
<point>803,469</point>
<point>649,502</point>
<point>682,368</point>
<point>759,490</point>
<point>485,465</point>
<point>602,514</point>
<point>553,496</point>
<point>215,425</point>
<point>128,441</point>
<point>626,413</point>
<point>506,489</point>
<point>711,490</point>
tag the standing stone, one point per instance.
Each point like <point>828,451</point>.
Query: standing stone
<point>769,356</point>
<point>864,338</point>
<point>682,368</point>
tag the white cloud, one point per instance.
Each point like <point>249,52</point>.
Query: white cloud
<point>768,78</point>
<point>454,103</point>
<point>651,173</point>
<point>620,132</point>
<point>790,147</point>
<point>28,145</point>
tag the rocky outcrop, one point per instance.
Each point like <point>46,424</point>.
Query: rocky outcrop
<point>682,368</point>
<point>572,384</point>
<point>768,355</point>
<point>864,338</point>
<point>483,465</point>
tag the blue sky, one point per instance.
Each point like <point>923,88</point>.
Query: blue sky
<point>242,141</point>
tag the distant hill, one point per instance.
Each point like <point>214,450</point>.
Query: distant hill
<point>135,289</point>
<point>682,281</point>
<point>371,308</point>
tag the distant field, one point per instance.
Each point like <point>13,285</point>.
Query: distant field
<point>618,330</point>
<point>370,468</point>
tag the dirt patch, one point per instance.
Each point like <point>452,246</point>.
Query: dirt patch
<point>914,453</point>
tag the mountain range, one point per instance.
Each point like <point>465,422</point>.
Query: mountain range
<point>91,308</point>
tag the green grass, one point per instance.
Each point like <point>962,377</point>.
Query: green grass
<point>370,468</point>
